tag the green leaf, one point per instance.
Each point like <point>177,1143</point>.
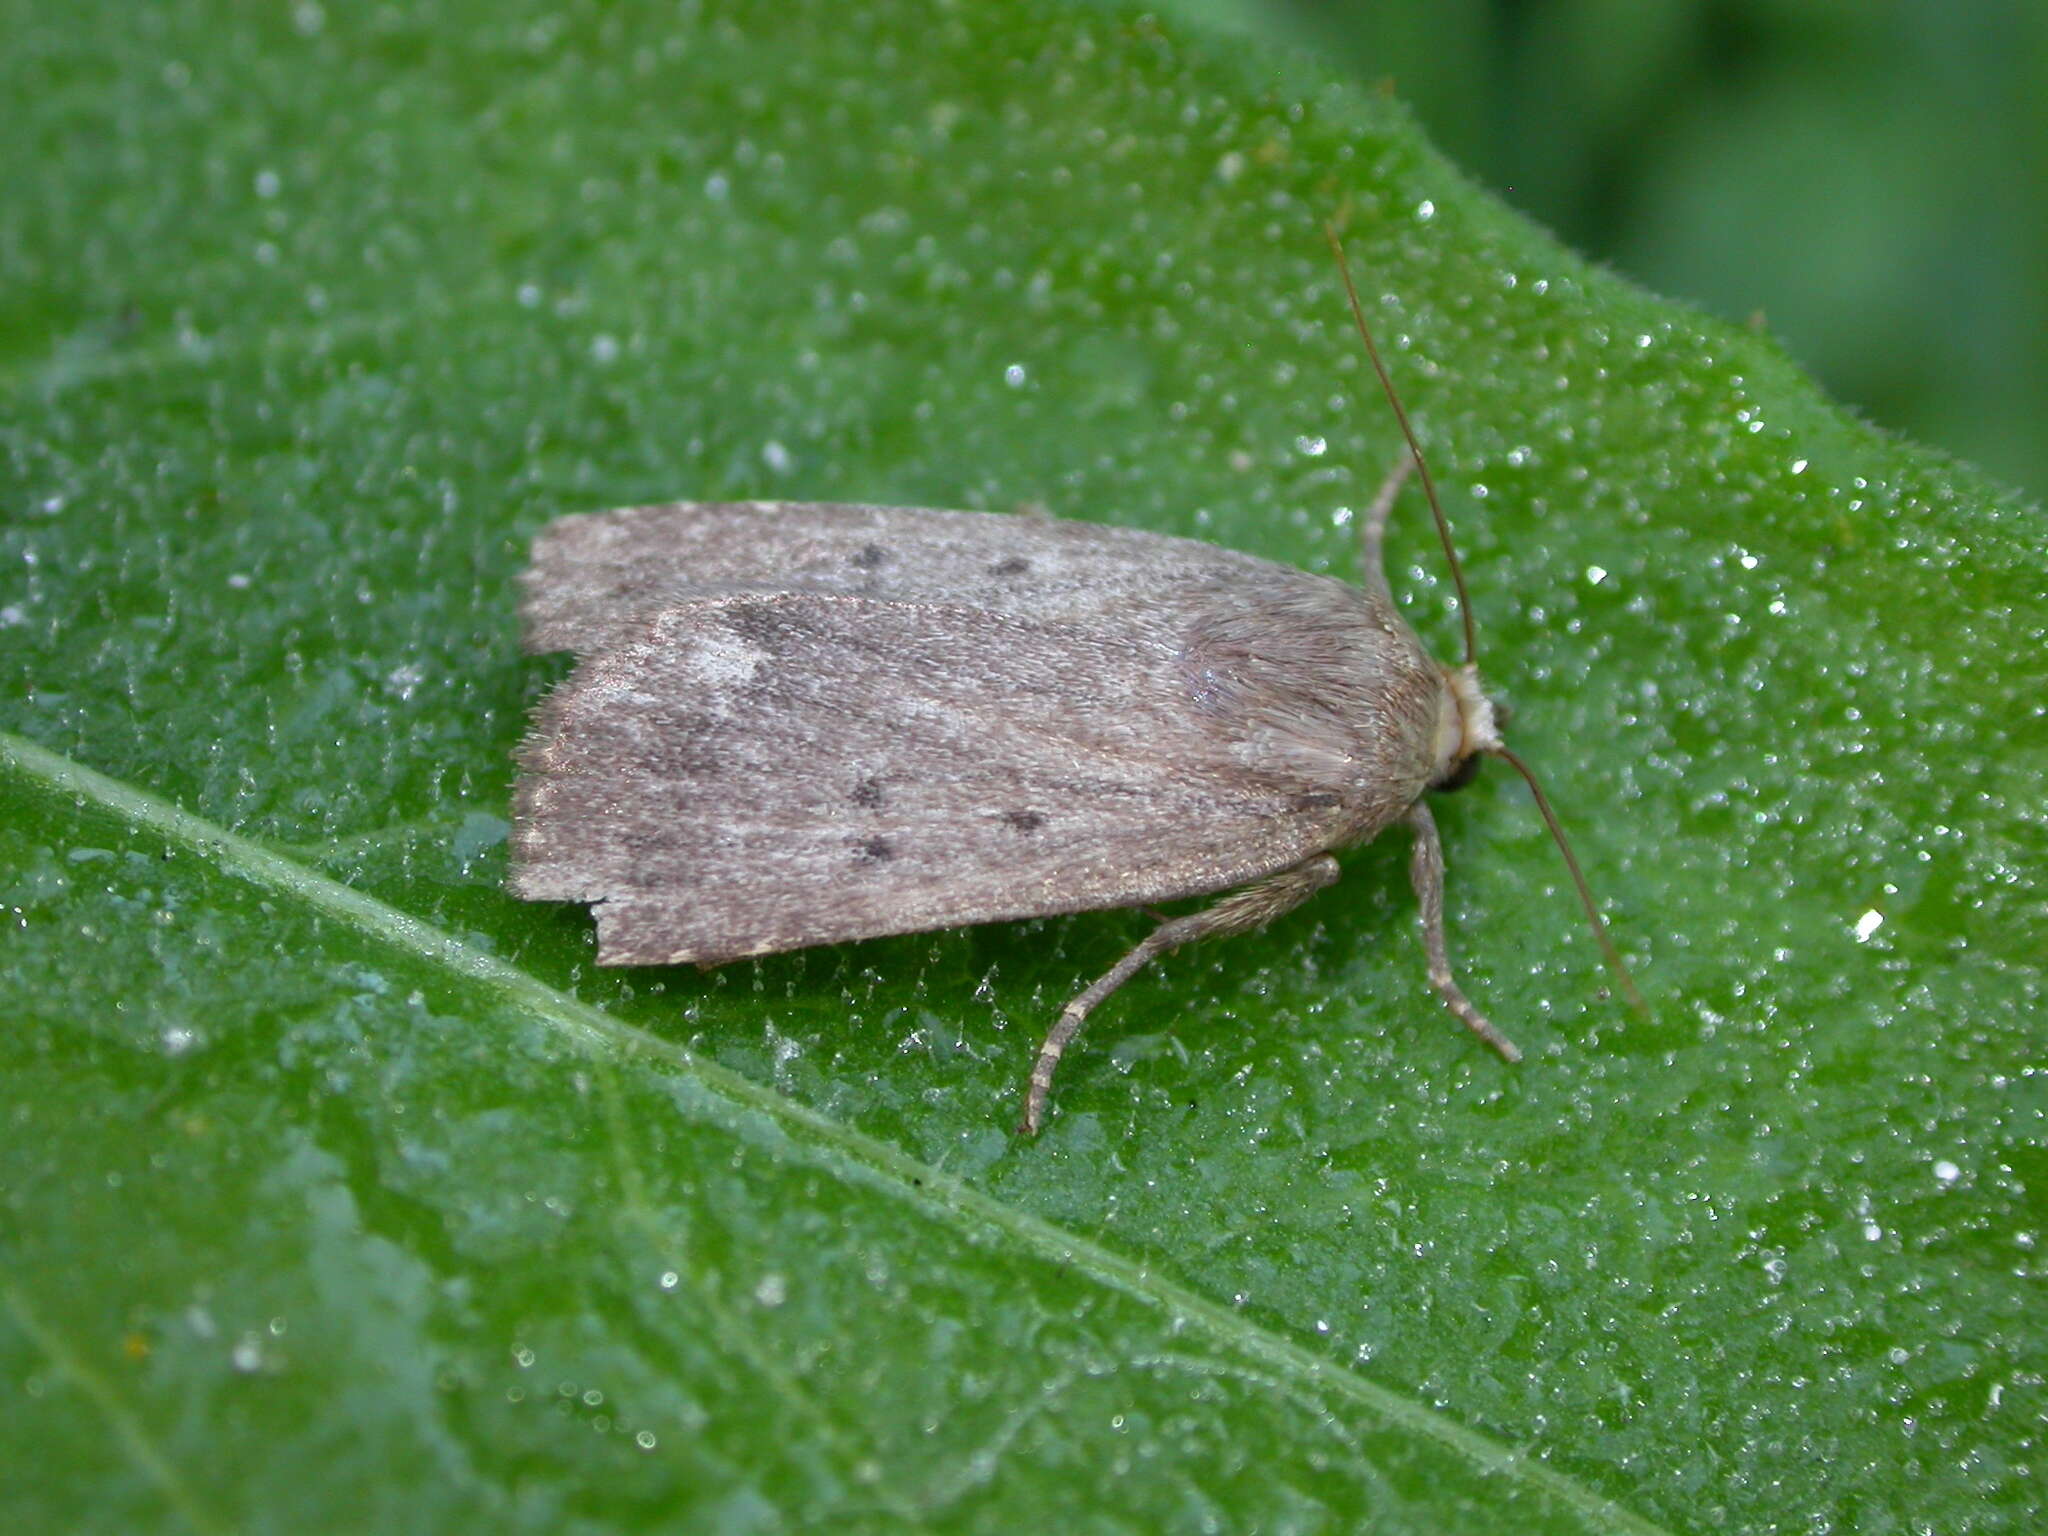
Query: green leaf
<point>340,1191</point>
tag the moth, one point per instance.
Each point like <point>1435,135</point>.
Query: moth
<point>794,724</point>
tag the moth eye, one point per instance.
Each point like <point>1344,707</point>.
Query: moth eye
<point>1503,711</point>
<point>1462,773</point>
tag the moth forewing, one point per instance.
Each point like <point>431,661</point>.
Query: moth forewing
<point>755,771</point>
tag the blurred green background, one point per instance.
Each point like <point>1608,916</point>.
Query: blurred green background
<point>1866,175</point>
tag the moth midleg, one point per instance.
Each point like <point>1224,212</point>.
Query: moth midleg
<point>1251,907</point>
<point>1426,872</point>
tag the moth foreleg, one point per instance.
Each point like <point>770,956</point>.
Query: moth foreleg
<point>1372,528</point>
<point>1426,871</point>
<point>1241,910</point>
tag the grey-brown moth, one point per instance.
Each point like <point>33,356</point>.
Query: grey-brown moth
<point>804,723</point>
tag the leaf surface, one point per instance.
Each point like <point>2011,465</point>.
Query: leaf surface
<point>339,1190</point>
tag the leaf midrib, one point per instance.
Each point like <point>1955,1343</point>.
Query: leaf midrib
<point>729,1095</point>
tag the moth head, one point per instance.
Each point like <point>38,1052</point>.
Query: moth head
<point>1467,728</point>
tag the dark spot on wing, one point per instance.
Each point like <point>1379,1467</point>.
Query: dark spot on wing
<point>868,793</point>
<point>1016,565</point>
<point>1317,800</point>
<point>869,556</point>
<point>1024,821</point>
<point>876,850</point>
<point>681,759</point>
<point>753,622</point>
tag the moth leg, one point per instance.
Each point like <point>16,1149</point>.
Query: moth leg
<point>1241,910</point>
<point>1372,528</point>
<point>1426,871</point>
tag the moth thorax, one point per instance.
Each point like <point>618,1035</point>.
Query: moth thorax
<point>1465,723</point>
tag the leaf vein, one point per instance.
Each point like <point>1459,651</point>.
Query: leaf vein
<point>731,1099</point>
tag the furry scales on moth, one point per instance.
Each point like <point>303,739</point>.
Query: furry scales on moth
<point>795,724</point>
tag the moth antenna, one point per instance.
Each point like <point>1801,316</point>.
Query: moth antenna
<point>1571,862</point>
<point>1443,524</point>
